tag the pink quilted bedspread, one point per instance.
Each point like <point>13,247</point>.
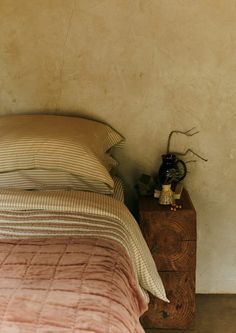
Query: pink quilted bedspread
<point>69,284</point>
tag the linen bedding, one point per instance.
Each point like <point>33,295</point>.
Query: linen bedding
<point>74,216</point>
<point>65,285</point>
<point>43,151</point>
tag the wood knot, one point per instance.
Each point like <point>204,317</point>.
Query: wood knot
<point>165,314</point>
<point>178,306</point>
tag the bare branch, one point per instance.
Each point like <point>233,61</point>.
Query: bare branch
<point>191,161</point>
<point>190,151</point>
<point>187,133</point>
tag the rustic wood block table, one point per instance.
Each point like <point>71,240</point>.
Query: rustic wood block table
<point>171,237</point>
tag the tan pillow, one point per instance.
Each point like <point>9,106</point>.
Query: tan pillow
<point>42,179</point>
<point>47,180</point>
<point>118,189</point>
<point>72,145</point>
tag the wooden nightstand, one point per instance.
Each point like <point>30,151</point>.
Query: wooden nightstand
<point>171,237</point>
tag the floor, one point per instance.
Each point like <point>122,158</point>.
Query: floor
<point>215,314</point>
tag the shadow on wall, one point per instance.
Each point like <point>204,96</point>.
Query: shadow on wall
<point>69,113</point>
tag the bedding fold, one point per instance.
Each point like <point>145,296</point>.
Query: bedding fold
<point>70,213</point>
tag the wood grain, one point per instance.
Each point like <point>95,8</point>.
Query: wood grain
<point>179,313</point>
<point>171,237</point>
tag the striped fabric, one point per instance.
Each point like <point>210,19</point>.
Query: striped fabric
<point>57,180</point>
<point>74,145</point>
<point>41,179</point>
<point>66,213</point>
<point>118,189</point>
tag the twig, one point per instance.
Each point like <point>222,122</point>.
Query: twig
<point>180,132</point>
<point>190,151</point>
<point>191,161</point>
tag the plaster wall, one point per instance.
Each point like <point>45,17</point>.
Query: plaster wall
<point>146,67</point>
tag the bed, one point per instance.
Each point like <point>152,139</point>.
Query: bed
<point>72,257</point>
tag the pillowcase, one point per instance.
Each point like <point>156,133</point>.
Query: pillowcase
<point>48,180</point>
<point>118,189</point>
<point>72,148</point>
<point>42,179</point>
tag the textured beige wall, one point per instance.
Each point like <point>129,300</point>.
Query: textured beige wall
<point>145,67</point>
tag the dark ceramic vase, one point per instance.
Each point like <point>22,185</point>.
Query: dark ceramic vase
<point>172,170</point>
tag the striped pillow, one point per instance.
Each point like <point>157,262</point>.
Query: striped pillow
<point>47,180</point>
<point>118,189</point>
<point>62,145</point>
<point>42,179</point>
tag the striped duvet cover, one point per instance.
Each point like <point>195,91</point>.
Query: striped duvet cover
<point>33,214</point>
